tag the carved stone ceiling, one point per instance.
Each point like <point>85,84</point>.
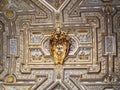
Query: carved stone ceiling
<point>93,61</point>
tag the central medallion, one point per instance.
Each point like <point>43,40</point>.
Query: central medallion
<point>59,46</point>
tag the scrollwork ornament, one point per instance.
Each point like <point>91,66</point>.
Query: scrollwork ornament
<point>59,46</point>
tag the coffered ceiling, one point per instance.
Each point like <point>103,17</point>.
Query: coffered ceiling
<point>93,61</point>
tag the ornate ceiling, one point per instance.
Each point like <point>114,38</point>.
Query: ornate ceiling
<point>93,61</point>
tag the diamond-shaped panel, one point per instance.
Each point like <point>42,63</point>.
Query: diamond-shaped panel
<point>55,3</point>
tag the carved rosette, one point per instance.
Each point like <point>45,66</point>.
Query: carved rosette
<point>59,46</point>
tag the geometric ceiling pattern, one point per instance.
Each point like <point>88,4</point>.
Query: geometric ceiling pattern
<point>93,60</point>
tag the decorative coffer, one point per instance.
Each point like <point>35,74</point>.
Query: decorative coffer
<point>60,45</point>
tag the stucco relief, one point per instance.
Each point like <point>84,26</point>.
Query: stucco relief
<point>92,61</point>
